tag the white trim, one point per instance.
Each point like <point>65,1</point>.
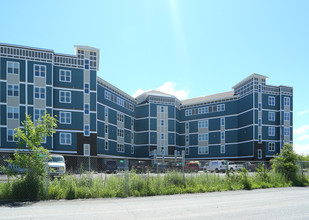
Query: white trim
<point>68,89</point>
<point>60,151</point>
<point>65,72</point>
<point>65,112</point>
<point>65,96</point>
<point>65,133</point>
<point>39,71</point>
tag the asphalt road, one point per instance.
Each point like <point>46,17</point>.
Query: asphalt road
<point>280,203</point>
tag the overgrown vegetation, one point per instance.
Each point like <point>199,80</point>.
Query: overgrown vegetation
<point>89,185</point>
<point>27,168</point>
<point>132,184</point>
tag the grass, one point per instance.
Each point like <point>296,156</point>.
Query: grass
<point>132,184</point>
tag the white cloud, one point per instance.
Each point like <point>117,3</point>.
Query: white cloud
<point>169,88</point>
<point>304,112</point>
<point>301,130</point>
<point>303,137</point>
<point>138,92</point>
<point>301,148</point>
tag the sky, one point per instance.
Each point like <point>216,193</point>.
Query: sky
<point>187,48</point>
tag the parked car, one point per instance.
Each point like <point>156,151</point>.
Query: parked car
<point>217,166</point>
<point>111,166</point>
<point>57,166</point>
<point>232,166</point>
<point>174,166</point>
<point>249,166</point>
<point>192,167</point>
<point>159,167</point>
<point>140,166</point>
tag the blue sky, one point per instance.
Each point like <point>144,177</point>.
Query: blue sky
<point>187,48</point>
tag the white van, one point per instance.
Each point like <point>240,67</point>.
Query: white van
<point>217,166</point>
<point>56,165</point>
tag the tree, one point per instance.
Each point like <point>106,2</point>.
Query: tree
<point>286,162</point>
<point>31,156</point>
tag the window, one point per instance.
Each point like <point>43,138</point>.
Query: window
<point>271,116</point>
<point>203,150</point>
<point>65,97</point>
<point>187,138</point>
<point>271,100</point>
<point>203,124</point>
<point>162,108</point>
<point>86,149</point>
<point>120,101</point>
<point>271,146</point>
<point>87,88</point>
<point>162,122</point>
<point>271,131</point>
<point>222,121</point>
<point>65,138</point>
<point>187,125</point>
<point>187,150</point>
<point>106,145</point>
<point>12,67</point>
<point>86,109</point>
<point>222,136</point>
<point>260,122</point>
<point>162,136</point>
<point>87,64</point>
<point>203,137</point>
<point>106,112</point>
<point>106,129</point>
<point>107,95</point>
<point>13,90</point>
<point>203,110</point>
<point>260,88</point>
<point>286,131</point>
<point>221,107</point>
<point>93,59</point>
<point>260,139</point>
<point>188,112</point>
<point>65,76</point>
<point>260,154</point>
<point>39,93</point>
<point>132,149</point>
<point>38,113</point>
<point>39,70</point>
<point>11,135</point>
<point>120,148</point>
<point>286,101</point>
<point>120,132</point>
<point>65,118</point>
<point>13,112</point>
<point>120,117</point>
<point>87,130</point>
<point>286,116</point>
<point>260,107</point>
<point>222,149</point>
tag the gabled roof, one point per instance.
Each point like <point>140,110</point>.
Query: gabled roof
<point>248,78</point>
<point>141,98</point>
<point>207,98</point>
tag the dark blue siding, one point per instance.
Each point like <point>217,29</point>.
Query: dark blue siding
<point>77,78</point>
<point>112,132</point>
<point>101,129</point>
<point>22,93</point>
<point>3,117</point>
<point>3,91</point>
<point>153,137</point>
<point>93,121</point>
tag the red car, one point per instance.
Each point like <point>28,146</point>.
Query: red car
<point>192,167</point>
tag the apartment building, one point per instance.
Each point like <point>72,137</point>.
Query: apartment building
<point>252,121</point>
